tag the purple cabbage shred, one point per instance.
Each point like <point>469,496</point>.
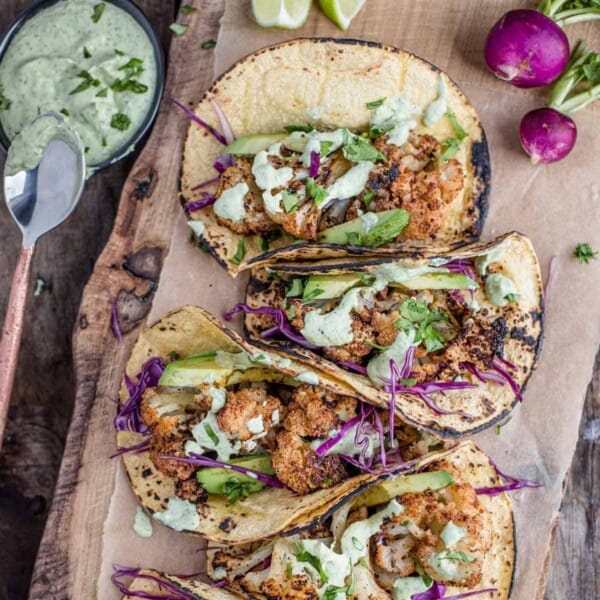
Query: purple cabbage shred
<point>513,483</point>
<point>315,163</point>
<point>194,117</point>
<point>135,449</point>
<point>206,200</point>
<point>173,592</point>
<point>129,418</point>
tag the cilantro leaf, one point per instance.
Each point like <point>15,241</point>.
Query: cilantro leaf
<point>86,53</point>
<point>88,82</point>
<point>303,128</point>
<point>417,315</point>
<point>459,132</point>
<point>316,192</point>
<point>98,10</point>
<point>263,243</point>
<point>368,197</point>
<point>240,252</point>
<point>375,132</point>
<point>304,556</point>
<point>178,29</point>
<point>295,289</point>
<point>290,201</point>
<point>235,489</point>
<point>325,148</point>
<point>356,149</point>
<point>208,44</point>
<point>376,103</point>
<point>451,145</point>
<point>211,434</point>
<point>512,297</point>
<point>332,591</point>
<point>584,253</point>
<point>186,9</point>
<point>4,101</point>
<point>120,121</point>
<point>288,570</point>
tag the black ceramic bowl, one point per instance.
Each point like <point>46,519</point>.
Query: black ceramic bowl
<point>143,21</point>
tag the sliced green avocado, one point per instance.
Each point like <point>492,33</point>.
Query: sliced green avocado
<point>388,226</point>
<point>396,486</point>
<point>325,287</point>
<point>194,370</point>
<point>214,480</point>
<point>249,145</point>
<point>439,281</point>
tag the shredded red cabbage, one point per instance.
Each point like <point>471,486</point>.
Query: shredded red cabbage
<point>507,364</point>
<point>437,591</point>
<point>282,324</point>
<point>352,366</point>
<point>315,163</point>
<point>224,161</point>
<point>219,584</point>
<point>174,593</point>
<point>206,183</point>
<point>225,126</point>
<point>332,441</point>
<point>114,318</point>
<point>135,449</point>
<point>463,266</point>
<point>129,418</point>
<point>551,273</point>
<point>483,376</point>
<point>203,461</point>
<point>206,200</point>
<point>508,377</point>
<point>194,117</point>
<point>513,483</point>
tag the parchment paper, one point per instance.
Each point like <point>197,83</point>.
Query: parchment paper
<point>557,206</point>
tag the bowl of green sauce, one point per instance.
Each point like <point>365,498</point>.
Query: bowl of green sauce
<point>100,64</point>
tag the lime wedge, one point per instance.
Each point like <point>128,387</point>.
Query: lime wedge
<point>341,12</point>
<point>285,14</point>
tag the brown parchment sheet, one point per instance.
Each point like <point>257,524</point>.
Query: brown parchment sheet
<point>557,206</point>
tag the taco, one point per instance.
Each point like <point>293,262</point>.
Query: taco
<point>450,338</point>
<point>447,530</point>
<point>343,147</point>
<point>238,444</point>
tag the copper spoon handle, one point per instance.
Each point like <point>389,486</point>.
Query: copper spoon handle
<point>11,333</point>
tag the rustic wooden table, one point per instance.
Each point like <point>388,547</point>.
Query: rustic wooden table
<point>43,394</point>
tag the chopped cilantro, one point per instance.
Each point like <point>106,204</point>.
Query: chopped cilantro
<point>290,201</point>
<point>64,111</point>
<point>584,253</point>
<point>353,238</point>
<point>316,192</point>
<point>186,9</point>
<point>235,489</point>
<point>88,82</point>
<point>211,434</point>
<point>512,297</point>
<point>104,144</point>
<point>173,355</point>
<point>295,289</point>
<point>424,576</point>
<point>240,253</point>
<point>120,121</point>
<point>325,148</point>
<point>86,53</point>
<point>417,315</point>
<point>376,103</point>
<point>303,128</point>
<point>4,101</point>
<point>375,132</point>
<point>356,542</point>
<point>459,132</point>
<point>208,44</point>
<point>451,145</point>
<point>291,311</point>
<point>129,85</point>
<point>133,67</point>
<point>263,243</point>
<point>332,591</point>
<point>368,197</point>
<point>98,10</point>
<point>102,93</point>
<point>288,570</point>
<point>358,149</point>
<point>119,52</point>
<point>304,556</point>
<point>178,29</point>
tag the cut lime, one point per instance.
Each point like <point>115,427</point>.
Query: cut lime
<point>341,12</point>
<point>286,14</point>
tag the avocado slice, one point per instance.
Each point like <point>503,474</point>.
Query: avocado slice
<point>325,287</point>
<point>439,281</point>
<point>387,226</point>
<point>215,480</point>
<point>249,145</point>
<point>390,488</point>
<point>194,370</point>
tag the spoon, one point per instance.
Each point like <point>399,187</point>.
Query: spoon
<point>44,176</point>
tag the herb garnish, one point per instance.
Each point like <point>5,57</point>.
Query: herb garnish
<point>132,69</point>
<point>357,149</point>
<point>325,147</point>
<point>120,121</point>
<point>584,253</point>
<point>304,556</point>
<point>427,580</point>
<point>263,243</point>
<point>368,197</point>
<point>512,297</point>
<point>102,93</point>
<point>4,101</point>
<point>178,29</point>
<point>417,315</point>
<point>240,253</point>
<point>375,132</point>
<point>88,82</point>
<point>376,103</point>
<point>290,201</point>
<point>98,10</point>
<point>86,53</point>
<point>208,44</point>
<point>288,569</point>
<point>303,128</point>
<point>451,146</point>
<point>119,52</point>
<point>332,591</point>
<point>312,294</point>
<point>235,489</point>
<point>211,434</point>
<point>186,9</point>
<point>316,192</point>
<point>64,111</point>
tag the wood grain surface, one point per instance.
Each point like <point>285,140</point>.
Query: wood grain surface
<point>129,267</point>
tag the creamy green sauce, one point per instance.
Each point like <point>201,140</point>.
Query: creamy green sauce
<point>142,524</point>
<point>61,50</point>
<point>405,587</point>
<point>378,368</point>
<point>398,116</point>
<point>351,183</point>
<point>438,108</point>
<point>452,534</point>
<point>498,287</point>
<point>180,515</point>
<point>309,377</point>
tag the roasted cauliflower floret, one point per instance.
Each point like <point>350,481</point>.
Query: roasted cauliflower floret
<point>315,411</point>
<point>249,412</point>
<point>296,587</point>
<point>163,412</point>
<point>299,467</point>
